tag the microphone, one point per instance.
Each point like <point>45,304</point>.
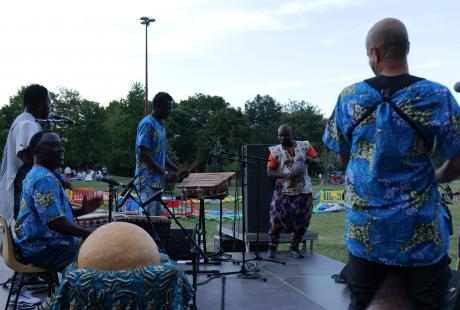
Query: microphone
<point>457,87</point>
<point>109,181</point>
<point>63,119</point>
<point>196,122</point>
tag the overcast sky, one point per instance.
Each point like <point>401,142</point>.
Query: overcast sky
<point>236,49</point>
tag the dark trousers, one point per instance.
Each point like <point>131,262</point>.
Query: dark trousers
<point>53,257</point>
<point>428,285</point>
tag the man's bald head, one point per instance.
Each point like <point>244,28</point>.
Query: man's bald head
<point>390,37</point>
<point>285,128</point>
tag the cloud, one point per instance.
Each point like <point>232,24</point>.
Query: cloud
<point>429,65</point>
<point>296,7</point>
<point>292,84</point>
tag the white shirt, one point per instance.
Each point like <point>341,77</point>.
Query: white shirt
<point>21,131</point>
<point>286,163</point>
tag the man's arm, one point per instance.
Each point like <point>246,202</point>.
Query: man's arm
<point>449,170</point>
<point>88,206</point>
<point>146,158</point>
<point>66,227</point>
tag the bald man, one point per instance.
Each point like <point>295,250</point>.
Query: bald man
<point>383,130</point>
<point>291,204</point>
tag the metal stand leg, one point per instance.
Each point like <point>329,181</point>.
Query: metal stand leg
<point>202,236</point>
<point>18,292</point>
<point>11,290</point>
<point>221,255</point>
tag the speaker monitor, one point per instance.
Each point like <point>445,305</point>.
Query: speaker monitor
<point>257,173</point>
<point>179,245</point>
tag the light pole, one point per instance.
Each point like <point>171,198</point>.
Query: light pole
<point>146,21</point>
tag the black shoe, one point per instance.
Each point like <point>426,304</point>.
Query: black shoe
<point>295,252</point>
<point>271,253</point>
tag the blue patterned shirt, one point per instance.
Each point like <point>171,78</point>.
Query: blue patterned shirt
<point>150,134</point>
<point>43,201</point>
<point>394,210</point>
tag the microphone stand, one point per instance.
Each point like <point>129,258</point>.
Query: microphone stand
<point>112,195</point>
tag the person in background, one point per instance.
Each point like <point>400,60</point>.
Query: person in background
<point>17,158</point>
<point>291,204</point>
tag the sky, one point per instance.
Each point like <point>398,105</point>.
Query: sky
<point>291,50</point>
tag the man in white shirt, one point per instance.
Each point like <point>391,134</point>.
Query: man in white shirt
<point>17,158</point>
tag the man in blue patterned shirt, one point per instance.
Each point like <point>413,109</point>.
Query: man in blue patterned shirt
<point>383,130</point>
<point>151,159</point>
<point>45,229</point>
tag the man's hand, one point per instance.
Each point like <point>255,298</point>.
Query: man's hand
<point>90,205</point>
<point>170,177</point>
<point>183,173</point>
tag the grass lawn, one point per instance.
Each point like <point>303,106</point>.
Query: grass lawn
<point>329,226</point>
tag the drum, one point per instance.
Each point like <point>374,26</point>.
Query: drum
<point>94,220</point>
<point>161,224</point>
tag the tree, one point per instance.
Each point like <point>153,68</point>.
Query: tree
<point>192,142</point>
<point>307,121</point>
<point>264,115</point>
<point>122,117</point>
<point>231,129</point>
<point>84,143</point>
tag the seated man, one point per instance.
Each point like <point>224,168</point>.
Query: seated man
<point>45,229</point>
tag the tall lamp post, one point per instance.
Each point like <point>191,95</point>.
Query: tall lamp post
<point>146,21</point>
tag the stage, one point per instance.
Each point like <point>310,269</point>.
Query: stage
<point>300,284</point>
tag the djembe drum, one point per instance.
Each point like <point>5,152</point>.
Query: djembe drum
<point>161,224</point>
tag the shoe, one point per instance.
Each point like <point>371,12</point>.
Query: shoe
<point>271,252</point>
<point>295,252</point>
<point>25,299</point>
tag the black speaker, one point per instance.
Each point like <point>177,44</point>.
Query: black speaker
<point>179,245</point>
<point>257,173</point>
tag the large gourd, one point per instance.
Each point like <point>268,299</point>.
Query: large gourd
<point>118,246</point>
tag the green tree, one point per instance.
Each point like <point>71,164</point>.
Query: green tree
<point>193,142</point>
<point>84,143</point>
<point>264,115</point>
<point>307,121</point>
<point>122,117</point>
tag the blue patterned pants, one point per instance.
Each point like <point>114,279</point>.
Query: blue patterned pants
<point>289,214</point>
